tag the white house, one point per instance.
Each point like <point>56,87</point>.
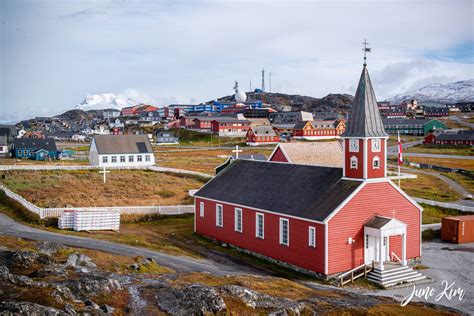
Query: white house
<point>121,151</point>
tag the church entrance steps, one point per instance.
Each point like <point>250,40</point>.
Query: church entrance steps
<point>394,275</point>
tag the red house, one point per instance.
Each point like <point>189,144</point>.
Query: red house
<point>460,138</point>
<point>262,135</point>
<point>230,126</point>
<point>320,129</point>
<point>130,111</point>
<point>323,220</point>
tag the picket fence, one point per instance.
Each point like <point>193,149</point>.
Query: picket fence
<point>56,212</point>
<point>460,207</point>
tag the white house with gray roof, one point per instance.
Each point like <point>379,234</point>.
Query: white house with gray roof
<point>121,151</point>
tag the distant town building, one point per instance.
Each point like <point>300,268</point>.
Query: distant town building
<point>262,135</point>
<point>4,146</point>
<point>290,117</point>
<point>459,138</point>
<point>430,111</point>
<point>9,131</point>
<point>121,151</point>
<point>229,126</point>
<point>33,134</point>
<point>320,129</point>
<point>35,148</point>
<point>110,113</point>
<point>166,138</point>
<point>465,106</point>
<point>417,127</point>
<point>130,111</point>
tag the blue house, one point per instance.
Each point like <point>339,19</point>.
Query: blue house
<point>35,148</point>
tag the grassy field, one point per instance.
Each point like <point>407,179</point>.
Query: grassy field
<point>204,160</point>
<point>463,180</point>
<point>429,187</point>
<point>85,188</point>
<point>12,161</point>
<point>444,162</point>
<point>444,150</point>
<point>434,214</point>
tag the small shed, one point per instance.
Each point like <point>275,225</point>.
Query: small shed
<point>458,229</point>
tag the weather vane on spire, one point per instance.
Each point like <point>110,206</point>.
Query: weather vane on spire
<point>365,49</point>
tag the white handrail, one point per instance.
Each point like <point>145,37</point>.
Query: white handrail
<point>396,257</point>
<point>350,271</point>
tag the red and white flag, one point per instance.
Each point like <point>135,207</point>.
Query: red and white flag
<point>400,151</point>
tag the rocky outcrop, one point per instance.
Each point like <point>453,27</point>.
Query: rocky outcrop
<point>48,248</point>
<point>253,299</point>
<point>94,284</point>
<point>27,258</point>
<point>28,309</point>
<point>194,299</point>
<point>79,260</point>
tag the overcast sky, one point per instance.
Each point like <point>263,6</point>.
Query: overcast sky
<point>54,52</point>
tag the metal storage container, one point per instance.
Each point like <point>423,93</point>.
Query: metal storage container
<point>458,229</point>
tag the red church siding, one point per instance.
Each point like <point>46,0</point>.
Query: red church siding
<point>374,198</point>
<point>375,173</point>
<point>359,172</point>
<point>278,156</point>
<point>297,253</point>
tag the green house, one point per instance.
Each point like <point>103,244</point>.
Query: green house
<point>418,127</point>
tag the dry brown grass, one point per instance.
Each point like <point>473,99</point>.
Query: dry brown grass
<point>429,187</point>
<point>410,309</point>
<point>204,160</point>
<point>85,188</point>
<point>444,162</point>
<point>12,161</point>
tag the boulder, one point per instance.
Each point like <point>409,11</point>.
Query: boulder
<point>92,284</point>
<point>107,309</point>
<point>79,260</point>
<point>28,309</point>
<point>194,299</point>
<point>48,248</point>
<point>27,258</point>
<point>57,270</point>
<point>254,299</point>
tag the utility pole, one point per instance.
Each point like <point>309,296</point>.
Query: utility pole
<point>250,84</point>
<point>263,80</point>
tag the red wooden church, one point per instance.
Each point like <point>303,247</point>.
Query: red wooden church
<point>325,220</point>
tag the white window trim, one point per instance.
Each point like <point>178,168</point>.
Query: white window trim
<point>217,215</point>
<point>380,144</point>
<point>312,241</point>
<point>351,141</point>
<point>354,159</point>
<point>282,220</point>
<point>376,158</point>
<point>236,228</point>
<point>263,225</point>
<point>201,209</point>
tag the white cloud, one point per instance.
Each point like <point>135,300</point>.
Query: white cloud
<point>174,51</point>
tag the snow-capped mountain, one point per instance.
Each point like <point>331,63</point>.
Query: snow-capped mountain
<point>459,91</point>
<point>105,101</point>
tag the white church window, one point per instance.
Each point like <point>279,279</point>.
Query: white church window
<point>105,159</point>
<point>284,231</point>
<point>238,220</point>
<point>114,159</point>
<point>219,216</point>
<point>130,158</point>
<point>353,162</point>
<point>312,236</point>
<point>139,158</point>
<point>147,158</point>
<point>122,158</point>
<point>201,209</point>
<point>259,228</point>
<point>376,163</point>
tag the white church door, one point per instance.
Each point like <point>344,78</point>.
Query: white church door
<point>370,249</point>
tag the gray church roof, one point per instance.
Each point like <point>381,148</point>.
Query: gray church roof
<point>365,119</point>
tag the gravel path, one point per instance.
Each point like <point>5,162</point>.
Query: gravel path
<point>218,265</point>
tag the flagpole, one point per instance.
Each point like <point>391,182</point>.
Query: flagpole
<point>400,158</point>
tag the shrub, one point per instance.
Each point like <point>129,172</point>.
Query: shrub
<point>166,193</point>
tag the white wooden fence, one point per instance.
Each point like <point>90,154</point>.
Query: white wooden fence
<point>460,207</point>
<point>56,212</point>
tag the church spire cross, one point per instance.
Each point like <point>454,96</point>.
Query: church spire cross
<point>366,50</point>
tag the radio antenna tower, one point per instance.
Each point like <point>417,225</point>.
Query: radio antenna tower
<point>250,84</point>
<point>263,80</point>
